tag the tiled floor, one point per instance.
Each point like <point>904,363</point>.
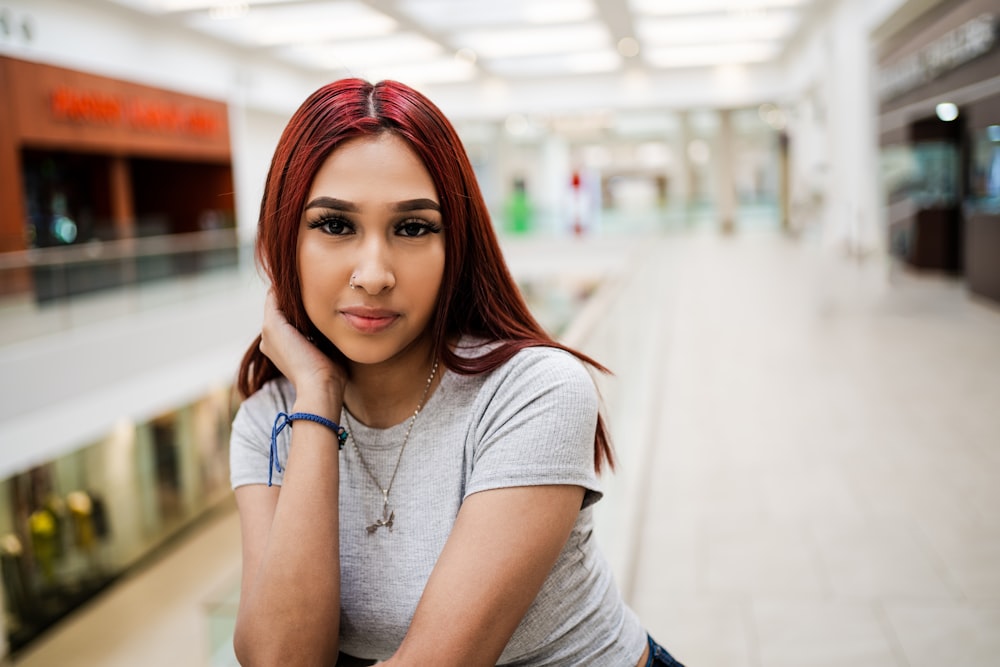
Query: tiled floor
<point>827,484</point>
<point>156,617</point>
<point>825,479</point>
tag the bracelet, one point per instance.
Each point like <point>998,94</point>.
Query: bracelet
<point>283,420</point>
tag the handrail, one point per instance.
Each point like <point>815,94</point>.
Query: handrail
<point>102,251</point>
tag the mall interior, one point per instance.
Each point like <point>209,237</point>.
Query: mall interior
<point>776,221</point>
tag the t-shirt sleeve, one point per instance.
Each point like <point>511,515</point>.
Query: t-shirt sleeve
<point>250,439</point>
<point>537,426</point>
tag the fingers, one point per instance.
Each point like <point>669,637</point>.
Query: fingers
<point>294,355</point>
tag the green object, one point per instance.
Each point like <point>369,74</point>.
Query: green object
<point>518,210</point>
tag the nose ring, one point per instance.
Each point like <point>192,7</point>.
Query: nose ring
<point>351,283</point>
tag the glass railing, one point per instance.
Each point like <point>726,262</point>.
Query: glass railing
<point>49,290</point>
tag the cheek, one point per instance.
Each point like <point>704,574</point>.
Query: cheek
<point>319,275</point>
<point>315,261</point>
<point>433,276</point>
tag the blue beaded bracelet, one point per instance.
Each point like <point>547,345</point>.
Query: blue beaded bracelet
<point>283,420</point>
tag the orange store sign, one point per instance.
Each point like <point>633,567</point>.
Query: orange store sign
<point>108,109</point>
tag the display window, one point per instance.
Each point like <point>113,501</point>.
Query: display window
<point>70,527</point>
<point>984,171</point>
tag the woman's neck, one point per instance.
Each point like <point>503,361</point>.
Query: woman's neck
<point>386,394</point>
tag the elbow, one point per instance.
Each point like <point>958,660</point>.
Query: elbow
<point>250,650</point>
<point>244,650</point>
<point>257,649</point>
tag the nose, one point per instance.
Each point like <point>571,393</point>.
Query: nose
<point>373,268</point>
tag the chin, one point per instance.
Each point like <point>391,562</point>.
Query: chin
<point>370,352</point>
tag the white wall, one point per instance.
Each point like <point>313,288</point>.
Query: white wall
<point>833,109</point>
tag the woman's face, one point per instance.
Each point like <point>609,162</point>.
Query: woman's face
<point>373,213</point>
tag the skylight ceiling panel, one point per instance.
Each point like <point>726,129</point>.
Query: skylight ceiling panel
<point>511,42</point>
<point>739,7</point>
<point>711,54</point>
<point>445,69</point>
<point>305,22</point>
<point>171,6</point>
<point>404,47</point>
<point>449,15</point>
<point>677,30</point>
<point>605,60</point>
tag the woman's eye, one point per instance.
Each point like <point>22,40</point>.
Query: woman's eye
<point>413,228</point>
<point>333,226</point>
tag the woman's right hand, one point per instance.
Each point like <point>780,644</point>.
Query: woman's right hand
<point>305,366</point>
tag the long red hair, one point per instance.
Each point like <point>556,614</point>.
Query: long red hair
<point>478,296</point>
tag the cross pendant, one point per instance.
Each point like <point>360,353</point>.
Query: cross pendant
<point>387,517</point>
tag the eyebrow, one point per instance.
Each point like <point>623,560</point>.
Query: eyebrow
<point>349,207</point>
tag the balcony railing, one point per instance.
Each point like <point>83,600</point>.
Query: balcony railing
<point>46,290</point>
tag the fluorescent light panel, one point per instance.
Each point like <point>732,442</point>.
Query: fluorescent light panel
<point>287,24</point>
<point>456,14</point>
<point>713,54</point>
<point>535,41</point>
<point>446,69</point>
<point>605,60</point>
<point>702,30</point>
<point>557,11</point>
<point>674,7</point>
<point>398,48</point>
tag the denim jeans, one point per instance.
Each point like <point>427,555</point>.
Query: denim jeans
<point>658,656</point>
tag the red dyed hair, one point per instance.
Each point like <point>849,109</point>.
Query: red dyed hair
<point>478,296</point>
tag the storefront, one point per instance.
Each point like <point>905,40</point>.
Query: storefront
<point>97,163</point>
<point>71,526</point>
<point>939,122</point>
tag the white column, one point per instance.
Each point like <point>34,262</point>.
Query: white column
<point>247,190</point>
<point>555,178</point>
<point>682,189</point>
<point>254,133</point>
<point>725,182</point>
<point>853,219</point>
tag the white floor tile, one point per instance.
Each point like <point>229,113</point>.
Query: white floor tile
<point>933,635</point>
<point>821,634</point>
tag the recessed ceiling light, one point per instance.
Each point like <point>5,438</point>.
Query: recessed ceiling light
<point>466,55</point>
<point>628,47</point>
<point>946,111</point>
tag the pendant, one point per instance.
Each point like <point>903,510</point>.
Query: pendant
<point>387,516</point>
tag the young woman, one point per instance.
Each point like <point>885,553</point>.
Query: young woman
<point>416,458</point>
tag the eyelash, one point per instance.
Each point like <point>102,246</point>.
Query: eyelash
<point>422,227</point>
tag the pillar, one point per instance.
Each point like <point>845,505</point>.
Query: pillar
<point>122,203</point>
<point>853,220</point>
<point>725,182</point>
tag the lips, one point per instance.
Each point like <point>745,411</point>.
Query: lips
<point>369,320</point>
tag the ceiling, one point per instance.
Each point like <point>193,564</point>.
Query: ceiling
<point>455,41</point>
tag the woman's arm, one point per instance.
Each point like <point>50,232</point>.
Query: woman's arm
<point>500,551</point>
<point>289,611</point>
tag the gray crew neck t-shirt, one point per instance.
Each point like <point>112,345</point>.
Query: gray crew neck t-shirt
<point>529,422</point>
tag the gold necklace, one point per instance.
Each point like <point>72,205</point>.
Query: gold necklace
<point>389,516</point>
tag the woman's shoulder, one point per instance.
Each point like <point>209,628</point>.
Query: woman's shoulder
<point>541,355</point>
<point>534,370</point>
<point>547,363</point>
<point>259,408</point>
